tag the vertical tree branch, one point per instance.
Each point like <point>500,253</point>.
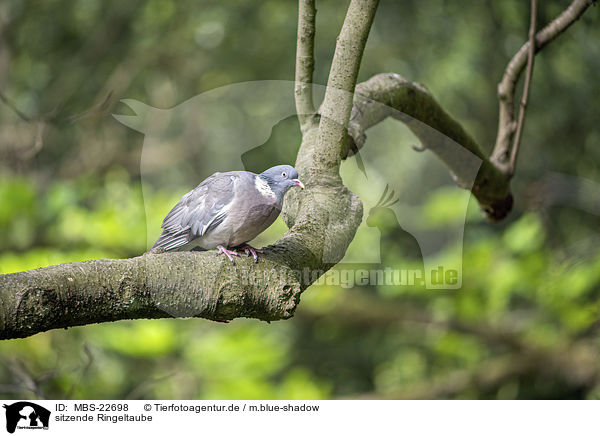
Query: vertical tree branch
<point>525,96</point>
<point>305,61</point>
<point>321,150</point>
<point>337,106</point>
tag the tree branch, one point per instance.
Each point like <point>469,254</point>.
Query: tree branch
<point>305,61</point>
<point>506,88</point>
<point>575,365</point>
<point>8,102</point>
<point>525,96</point>
<point>390,95</point>
<point>149,286</point>
<point>337,106</point>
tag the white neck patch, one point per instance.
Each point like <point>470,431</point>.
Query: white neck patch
<point>263,187</point>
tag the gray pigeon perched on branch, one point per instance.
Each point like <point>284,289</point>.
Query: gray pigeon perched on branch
<point>227,210</point>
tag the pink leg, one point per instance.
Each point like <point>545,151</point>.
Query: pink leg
<point>227,252</point>
<point>251,250</point>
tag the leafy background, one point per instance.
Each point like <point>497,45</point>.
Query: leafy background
<point>523,325</point>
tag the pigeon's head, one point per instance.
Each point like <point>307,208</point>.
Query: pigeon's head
<point>281,178</point>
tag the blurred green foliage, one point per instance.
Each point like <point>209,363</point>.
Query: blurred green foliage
<point>523,325</point>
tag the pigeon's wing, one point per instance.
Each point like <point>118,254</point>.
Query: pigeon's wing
<point>198,211</point>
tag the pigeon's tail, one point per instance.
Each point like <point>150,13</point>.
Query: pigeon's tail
<point>169,241</point>
<point>164,241</point>
<point>160,241</point>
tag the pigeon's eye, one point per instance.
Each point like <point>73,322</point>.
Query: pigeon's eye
<point>284,175</point>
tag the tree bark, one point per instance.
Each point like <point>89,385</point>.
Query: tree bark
<point>305,61</point>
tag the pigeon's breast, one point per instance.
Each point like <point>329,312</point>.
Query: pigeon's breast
<point>241,225</point>
<point>253,221</point>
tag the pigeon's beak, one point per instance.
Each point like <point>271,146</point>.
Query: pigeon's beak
<point>298,183</point>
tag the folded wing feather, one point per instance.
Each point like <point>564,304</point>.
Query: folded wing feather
<point>198,212</point>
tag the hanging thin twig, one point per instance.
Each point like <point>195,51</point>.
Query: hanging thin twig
<point>13,107</point>
<point>525,96</point>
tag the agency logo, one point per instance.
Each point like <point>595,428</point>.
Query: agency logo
<point>26,415</point>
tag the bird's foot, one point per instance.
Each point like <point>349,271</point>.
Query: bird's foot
<point>251,250</point>
<point>227,252</point>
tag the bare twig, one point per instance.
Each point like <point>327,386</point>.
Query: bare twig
<point>305,61</point>
<point>24,379</point>
<point>525,96</point>
<point>506,88</point>
<point>138,392</point>
<point>95,109</point>
<point>8,102</point>
<point>84,369</point>
<point>575,365</point>
<point>38,142</point>
<point>488,376</point>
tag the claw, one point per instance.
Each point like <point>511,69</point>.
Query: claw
<point>227,252</point>
<point>251,250</point>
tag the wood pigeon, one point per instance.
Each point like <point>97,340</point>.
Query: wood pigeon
<point>227,210</point>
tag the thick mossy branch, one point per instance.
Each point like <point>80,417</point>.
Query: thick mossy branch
<point>390,95</point>
<point>150,286</point>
